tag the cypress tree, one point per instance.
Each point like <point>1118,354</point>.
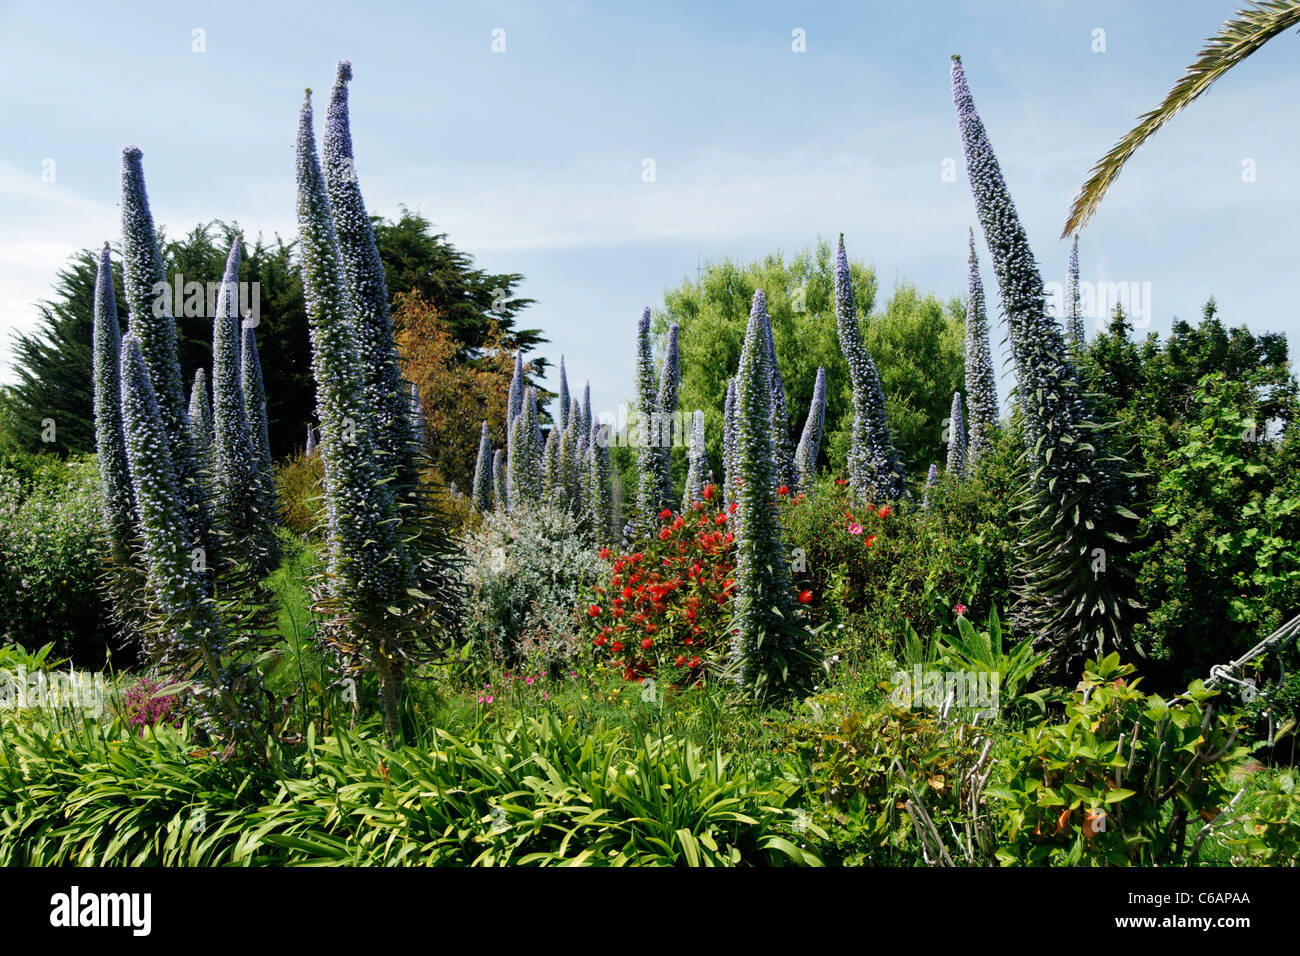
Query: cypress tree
<point>810,442</point>
<point>874,471</point>
<point>117,497</point>
<point>981,386</point>
<point>956,439</point>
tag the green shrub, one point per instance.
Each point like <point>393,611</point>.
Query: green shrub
<point>51,542</point>
<point>527,573</point>
<point>299,487</point>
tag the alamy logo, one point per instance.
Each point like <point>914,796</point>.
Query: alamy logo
<point>960,689</point>
<point>74,909</point>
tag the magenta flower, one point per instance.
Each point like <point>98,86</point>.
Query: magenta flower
<point>855,528</point>
<point>959,608</point>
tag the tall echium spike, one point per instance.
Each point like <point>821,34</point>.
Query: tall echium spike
<point>201,420</point>
<point>514,404</point>
<point>417,417</point>
<point>874,472</point>
<point>387,410</point>
<point>810,442</point>
<point>195,630</point>
<point>523,480</point>
<point>586,408</point>
<point>148,302</point>
<point>500,496</point>
<point>254,389</point>
<point>665,423</point>
<point>566,469</point>
<point>729,476</point>
<point>117,498</point>
<point>1063,598</point>
<point>481,491</point>
<point>956,439</point>
<point>1074,331</point>
<point>600,499</point>
<point>696,463</point>
<point>365,560</point>
<point>552,482</point>
<point>647,400</point>
<point>563,397</point>
<point>531,414</point>
<point>241,497</point>
<point>781,448</point>
<point>931,480</point>
<point>763,644</point>
<point>981,385</point>
<point>311,441</point>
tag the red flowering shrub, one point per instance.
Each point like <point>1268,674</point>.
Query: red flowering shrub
<point>668,605</point>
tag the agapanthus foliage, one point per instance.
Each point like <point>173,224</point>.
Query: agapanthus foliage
<point>768,649</point>
<point>1069,576</point>
<point>956,439</point>
<point>144,281</point>
<point>386,404</point>
<point>481,491</point>
<point>696,463</point>
<point>981,385</point>
<point>118,500</point>
<point>874,471</point>
<point>810,442</point>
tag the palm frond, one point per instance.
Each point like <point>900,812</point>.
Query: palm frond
<point>1237,39</point>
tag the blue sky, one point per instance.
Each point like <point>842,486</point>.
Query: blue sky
<point>531,159</point>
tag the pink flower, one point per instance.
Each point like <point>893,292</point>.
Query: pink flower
<point>855,528</point>
<point>959,608</point>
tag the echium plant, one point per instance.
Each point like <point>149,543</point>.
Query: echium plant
<point>586,409</point>
<point>195,637</point>
<point>523,471</point>
<point>481,491</point>
<point>931,479</point>
<point>1068,576</point>
<point>981,386</point>
<point>599,496</point>
<point>500,496</point>
<point>782,452</point>
<point>387,412</point>
<point>118,500</point>
<point>1074,331</point>
<point>417,416</point>
<point>563,397</point>
<point>201,420</point>
<point>956,439</point>
<point>649,486</point>
<point>874,472</point>
<point>148,302</point>
<point>696,463</point>
<point>767,649</point>
<point>552,483</point>
<point>810,442</point>
<point>241,497</point>
<point>729,474</point>
<point>663,427</point>
<point>251,383</point>
<point>367,567</point>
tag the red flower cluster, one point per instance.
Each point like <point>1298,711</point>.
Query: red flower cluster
<point>668,604</point>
